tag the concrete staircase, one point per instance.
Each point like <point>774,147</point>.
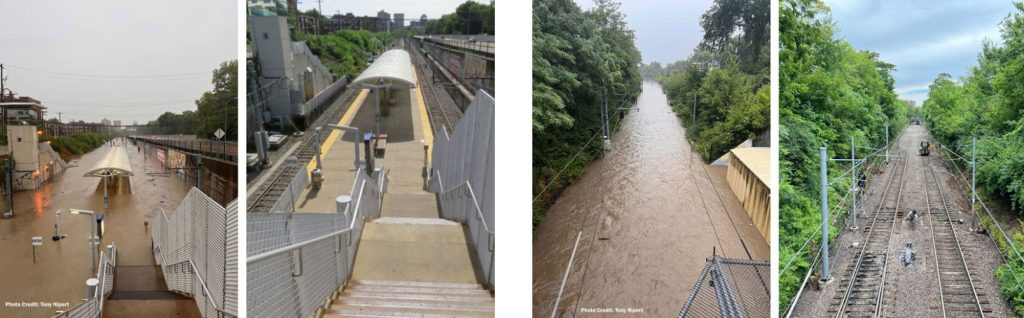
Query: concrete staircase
<point>411,263</point>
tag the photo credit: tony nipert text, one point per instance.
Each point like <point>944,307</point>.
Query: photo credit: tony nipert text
<point>36,304</point>
<point>613,310</point>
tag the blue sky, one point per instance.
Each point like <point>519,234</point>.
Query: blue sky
<point>922,38</point>
<point>666,31</point>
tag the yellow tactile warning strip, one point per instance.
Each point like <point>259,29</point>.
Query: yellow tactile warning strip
<point>335,134</point>
<point>428,134</point>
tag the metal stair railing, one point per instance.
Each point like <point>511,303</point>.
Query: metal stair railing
<point>466,159</point>
<point>93,307</point>
<point>298,260</point>
<point>191,247</point>
<point>459,203</point>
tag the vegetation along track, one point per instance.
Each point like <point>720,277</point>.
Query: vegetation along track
<point>269,192</point>
<point>441,109</point>
<point>864,278</point>
<point>957,292</point>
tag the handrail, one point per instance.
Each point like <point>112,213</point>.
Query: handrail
<point>351,225</point>
<point>203,283</point>
<point>476,203</point>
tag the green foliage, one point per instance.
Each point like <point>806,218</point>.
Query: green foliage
<point>721,92</point>
<point>752,19</point>
<point>579,58</point>
<point>985,103</point>
<point>76,144</point>
<point>346,52</point>
<point>216,109</point>
<point>469,18</point>
<point>828,92</point>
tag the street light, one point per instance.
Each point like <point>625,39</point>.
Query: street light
<point>92,231</point>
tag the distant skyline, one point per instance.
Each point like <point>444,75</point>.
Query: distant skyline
<point>121,60</point>
<point>666,31</point>
<point>921,38</point>
<point>412,9</point>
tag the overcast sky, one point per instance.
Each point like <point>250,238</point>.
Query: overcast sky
<point>412,9</point>
<point>666,31</point>
<point>922,38</point>
<point>118,59</point>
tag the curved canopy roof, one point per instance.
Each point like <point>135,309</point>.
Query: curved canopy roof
<point>393,67</point>
<point>114,163</point>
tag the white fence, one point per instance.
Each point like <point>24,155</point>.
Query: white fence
<point>92,307</point>
<point>192,246</point>
<point>297,260</point>
<point>285,203</point>
<point>462,174</point>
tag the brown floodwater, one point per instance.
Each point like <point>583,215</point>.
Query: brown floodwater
<point>57,277</point>
<point>649,218</point>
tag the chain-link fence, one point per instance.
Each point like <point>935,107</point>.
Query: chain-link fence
<point>192,247</point>
<point>297,260</point>
<point>730,288</point>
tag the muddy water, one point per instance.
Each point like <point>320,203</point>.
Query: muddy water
<point>61,268</point>
<point>649,217</point>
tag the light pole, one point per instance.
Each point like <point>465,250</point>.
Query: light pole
<point>92,232</point>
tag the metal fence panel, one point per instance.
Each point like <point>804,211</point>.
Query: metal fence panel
<point>730,288</point>
<point>462,174</point>
<point>192,247</point>
<point>297,260</point>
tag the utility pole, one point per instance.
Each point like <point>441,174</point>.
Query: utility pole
<point>3,81</point>
<point>853,180</point>
<point>974,181</point>
<point>824,215</point>
<point>886,143</point>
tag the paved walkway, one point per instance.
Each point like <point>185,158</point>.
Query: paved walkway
<point>407,128</point>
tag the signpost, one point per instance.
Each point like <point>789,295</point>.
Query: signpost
<point>36,241</point>
<point>219,133</point>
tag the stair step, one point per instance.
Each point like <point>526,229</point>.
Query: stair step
<point>415,205</point>
<point>416,290</point>
<point>415,284</point>
<point>413,304</point>
<point>384,313</point>
<point>414,221</point>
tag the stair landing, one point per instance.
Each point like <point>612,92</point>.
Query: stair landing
<point>369,298</point>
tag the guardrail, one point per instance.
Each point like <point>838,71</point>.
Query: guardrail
<point>191,247</point>
<point>224,150</point>
<point>298,260</point>
<point>92,307</point>
<point>466,160</point>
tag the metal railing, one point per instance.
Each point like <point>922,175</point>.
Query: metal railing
<point>191,247</point>
<point>298,260</point>
<point>225,150</point>
<point>730,288</point>
<point>92,307</point>
<point>466,160</point>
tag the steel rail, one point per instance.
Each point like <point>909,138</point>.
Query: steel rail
<point>959,249</point>
<point>849,289</point>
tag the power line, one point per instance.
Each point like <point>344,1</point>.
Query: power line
<point>114,77</point>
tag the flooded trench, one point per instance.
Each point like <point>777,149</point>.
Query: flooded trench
<point>650,213</point>
<point>61,267</point>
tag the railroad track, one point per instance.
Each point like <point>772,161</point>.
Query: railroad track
<point>442,114</point>
<point>958,295</point>
<point>863,281</point>
<point>269,192</point>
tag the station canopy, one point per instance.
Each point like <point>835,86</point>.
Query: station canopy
<point>114,163</point>
<point>393,68</point>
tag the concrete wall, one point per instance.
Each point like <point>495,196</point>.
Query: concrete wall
<point>752,193</point>
<point>273,50</point>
